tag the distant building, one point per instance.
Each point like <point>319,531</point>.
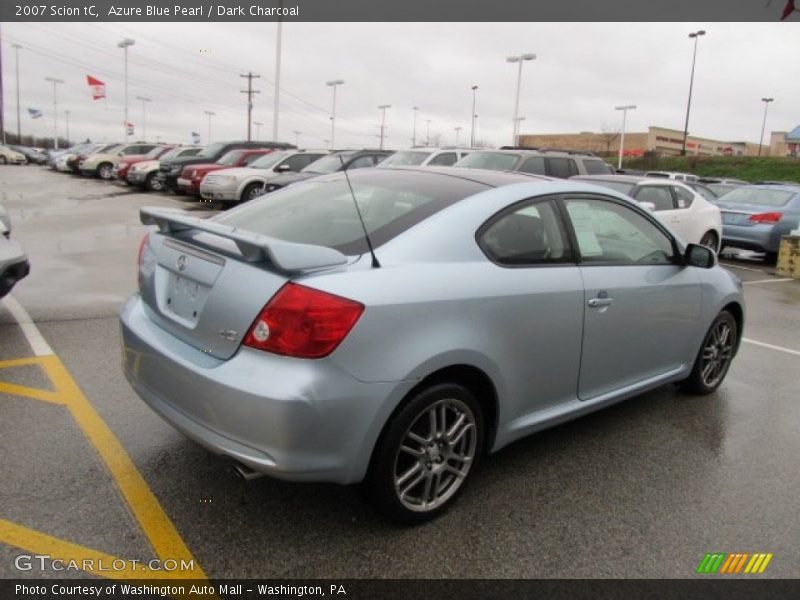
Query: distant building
<point>657,139</point>
<point>785,144</point>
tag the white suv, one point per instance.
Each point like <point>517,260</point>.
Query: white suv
<point>424,156</point>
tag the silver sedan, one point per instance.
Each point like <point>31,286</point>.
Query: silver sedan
<point>479,307</point>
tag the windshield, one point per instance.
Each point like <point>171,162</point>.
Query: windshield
<point>212,150</point>
<point>155,152</point>
<point>496,161</point>
<point>322,212</point>
<point>327,164</point>
<point>107,149</point>
<point>268,161</point>
<point>405,158</point>
<point>230,159</point>
<point>758,196</point>
<point>720,189</point>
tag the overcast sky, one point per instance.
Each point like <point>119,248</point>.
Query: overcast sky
<point>582,71</point>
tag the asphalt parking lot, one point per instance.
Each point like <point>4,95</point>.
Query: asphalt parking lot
<point>642,489</point>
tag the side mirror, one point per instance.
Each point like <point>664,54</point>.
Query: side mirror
<point>648,206</point>
<point>699,256</point>
<point>283,168</point>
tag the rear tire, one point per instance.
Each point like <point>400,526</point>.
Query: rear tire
<point>710,240</point>
<point>104,171</point>
<point>426,453</point>
<point>771,258</point>
<point>715,356</point>
<point>3,160</point>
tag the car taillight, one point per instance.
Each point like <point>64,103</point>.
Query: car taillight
<point>139,256</point>
<point>769,217</point>
<point>303,322</point>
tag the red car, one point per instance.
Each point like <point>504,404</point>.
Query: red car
<point>125,163</point>
<point>192,175</point>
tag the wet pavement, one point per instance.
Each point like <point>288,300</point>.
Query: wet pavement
<point>642,489</point>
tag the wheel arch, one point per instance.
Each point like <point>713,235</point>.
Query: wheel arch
<point>738,315</point>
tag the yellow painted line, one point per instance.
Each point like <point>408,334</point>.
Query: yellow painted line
<point>29,392</point>
<point>19,362</point>
<point>90,561</point>
<point>764,564</point>
<point>157,526</point>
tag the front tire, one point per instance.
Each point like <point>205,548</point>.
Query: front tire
<point>710,240</point>
<point>715,356</point>
<point>3,160</point>
<point>104,171</point>
<point>252,191</point>
<point>153,183</point>
<point>426,453</point>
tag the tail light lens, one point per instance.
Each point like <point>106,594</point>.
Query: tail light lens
<point>768,217</point>
<point>139,257</point>
<point>303,322</point>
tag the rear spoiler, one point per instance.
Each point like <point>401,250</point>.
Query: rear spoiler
<point>286,256</point>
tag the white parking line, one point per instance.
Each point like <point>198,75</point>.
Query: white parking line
<point>35,339</point>
<point>771,346</point>
<point>732,266</point>
<point>767,281</point>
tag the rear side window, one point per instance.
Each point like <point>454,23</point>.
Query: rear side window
<point>322,211</point>
<point>530,234</point>
<point>300,161</point>
<point>684,196</point>
<point>444,160</point>
<point>563,168</point>
<point>250,158</point>
<point>534,165</point>
<point>596,167</point>
<point>496,161</point>
<point>660,196</point>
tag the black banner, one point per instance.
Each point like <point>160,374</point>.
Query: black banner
<point>392,10</point>
<point>733,588</point>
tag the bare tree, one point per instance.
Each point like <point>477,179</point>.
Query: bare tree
<point>608,136</point>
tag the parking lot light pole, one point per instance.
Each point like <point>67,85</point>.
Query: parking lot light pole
<point>766,102</point>
<point>16,61</point>
<point>383,108</point>
<point>258,129</point>
<point>428,133</point>
<point>297,138</point>
<point>66,113</point>
<point>334,83</point>
<point>694,35</point>
<point>473,117</point>
<point>55,82</point>
<point>125,44</point>
<point>457,130</point>
<point>414,130</point>
<point>144,116</point>
<point>519,60</point>
<point>624,110</point>
<point>210,114</point>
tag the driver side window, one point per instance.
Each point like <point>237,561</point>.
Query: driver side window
<point>608,232</point>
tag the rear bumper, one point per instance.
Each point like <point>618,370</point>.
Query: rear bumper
<point>304,420</point>
<point>760,238</point>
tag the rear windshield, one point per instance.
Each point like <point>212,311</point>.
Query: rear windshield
<point>322,211</point>
<point>597,167</point>
<point>758,196</point>
<point>496,161</point>
<point>405,158</point>
<point>720,189</point>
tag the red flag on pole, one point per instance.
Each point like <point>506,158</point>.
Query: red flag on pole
<point>98,87</point>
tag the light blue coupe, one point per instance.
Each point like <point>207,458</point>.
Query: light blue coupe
<point>481,307</point>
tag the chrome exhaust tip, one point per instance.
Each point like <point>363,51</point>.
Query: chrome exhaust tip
<point>245,472</point>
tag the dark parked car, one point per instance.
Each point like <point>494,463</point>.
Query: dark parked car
<point>170,169</point>
<point>344,160</point>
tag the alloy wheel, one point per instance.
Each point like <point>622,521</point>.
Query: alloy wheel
<point>717,354</point>
<point>435,455</point>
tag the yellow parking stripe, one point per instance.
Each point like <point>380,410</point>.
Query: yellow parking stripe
<point>91,561</point>
<point>144,506</point>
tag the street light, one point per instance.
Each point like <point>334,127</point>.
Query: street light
<point>144,115</point>
<point>694,36</point>
<point>16,60</point>
<point>457,130</point>
<point>428,133</point>
<point>125,44</point>
<point>55,82</point>
<point>66,112</point>
<point>766,102</point>
<point>518,59</point>
<point>624,110</point>
<point>258,129</point>
<point>210,114</point>
<point>383,108</point>
<point>473,117</point>
<point>414,134</point>
<point>297,138</point>
<point>334,84</point>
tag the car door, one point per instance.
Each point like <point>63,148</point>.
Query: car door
<point>642,305</point>
<point>534,305</point>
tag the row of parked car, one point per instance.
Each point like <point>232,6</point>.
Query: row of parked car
<point>700,210</point>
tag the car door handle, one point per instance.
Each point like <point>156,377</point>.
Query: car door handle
<point>600,302</point>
